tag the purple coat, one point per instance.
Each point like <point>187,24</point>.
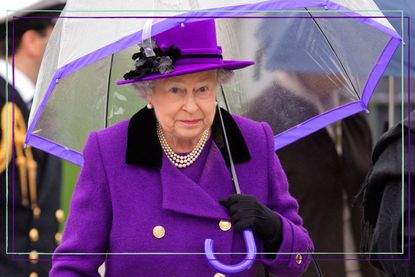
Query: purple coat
<point>120,198</point>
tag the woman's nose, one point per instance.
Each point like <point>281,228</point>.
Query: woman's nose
<point>190,104</point>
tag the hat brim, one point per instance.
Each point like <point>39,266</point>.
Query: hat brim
<point>183,69</point>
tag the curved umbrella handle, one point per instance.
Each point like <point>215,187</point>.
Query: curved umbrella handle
<point>245,264</point>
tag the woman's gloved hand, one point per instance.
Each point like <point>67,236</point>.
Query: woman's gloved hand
<point>248,213</point>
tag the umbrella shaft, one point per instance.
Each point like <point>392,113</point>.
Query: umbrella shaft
<point>233,172</point>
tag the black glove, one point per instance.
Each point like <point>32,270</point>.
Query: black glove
<point>248,213</point>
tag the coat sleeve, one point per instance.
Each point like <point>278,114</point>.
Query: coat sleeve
<point>292,258</point>
<point>89,222</point>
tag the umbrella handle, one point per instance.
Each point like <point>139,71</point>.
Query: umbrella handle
<point>245,264</point>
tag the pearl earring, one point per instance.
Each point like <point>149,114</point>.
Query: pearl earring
<point>149,106</point>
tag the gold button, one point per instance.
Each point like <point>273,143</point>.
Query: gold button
<point>34,234</point>
<point>60,215</point>
<point>219,275</point>
<point>298,258</point>
<point>36,212</point>
<point>58,237</point>
<point>33,274</point>
<point>159,232</point>
<point>33,256</point>
<point>225,225</point>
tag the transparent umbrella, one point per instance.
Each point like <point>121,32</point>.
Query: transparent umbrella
<point>345,46</point>
<point>345,51</point>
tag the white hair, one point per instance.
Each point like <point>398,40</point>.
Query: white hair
<point>146,87</point>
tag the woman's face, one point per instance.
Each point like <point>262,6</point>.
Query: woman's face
<point>185,105</point>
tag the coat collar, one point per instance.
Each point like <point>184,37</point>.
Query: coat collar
<point>143,146</point>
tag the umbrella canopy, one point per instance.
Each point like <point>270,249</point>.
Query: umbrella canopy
<point>90,50</point>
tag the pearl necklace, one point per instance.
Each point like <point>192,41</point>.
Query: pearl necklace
<point>178,160</point>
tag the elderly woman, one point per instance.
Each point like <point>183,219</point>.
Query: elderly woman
<point>154,187</point>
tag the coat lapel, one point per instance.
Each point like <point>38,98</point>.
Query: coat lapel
<point>216,177</point>
<point>183,195</point>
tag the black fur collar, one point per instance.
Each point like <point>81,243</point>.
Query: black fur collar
<point>143,146</point>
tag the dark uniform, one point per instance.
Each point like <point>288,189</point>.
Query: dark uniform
<point>33,197</point>
<point>319,178</point>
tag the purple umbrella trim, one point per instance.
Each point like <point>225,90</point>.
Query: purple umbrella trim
<point>379,68</point>
<point>57,150</point>
<point>316,123</point>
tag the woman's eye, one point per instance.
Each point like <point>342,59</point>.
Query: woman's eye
<point>204,89</point>
<point>174,90</point>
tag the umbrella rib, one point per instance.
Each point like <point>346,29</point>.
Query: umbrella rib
<point>332,49</point>
<point>225,100</point>
<point>108,91</point>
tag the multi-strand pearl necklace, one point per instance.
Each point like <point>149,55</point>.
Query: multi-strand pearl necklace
<point>178,160</point>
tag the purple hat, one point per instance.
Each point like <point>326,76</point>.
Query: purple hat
<point>184,49</point>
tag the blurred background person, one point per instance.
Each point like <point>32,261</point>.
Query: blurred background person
<point>326,168</point>
<point>34,193</point>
